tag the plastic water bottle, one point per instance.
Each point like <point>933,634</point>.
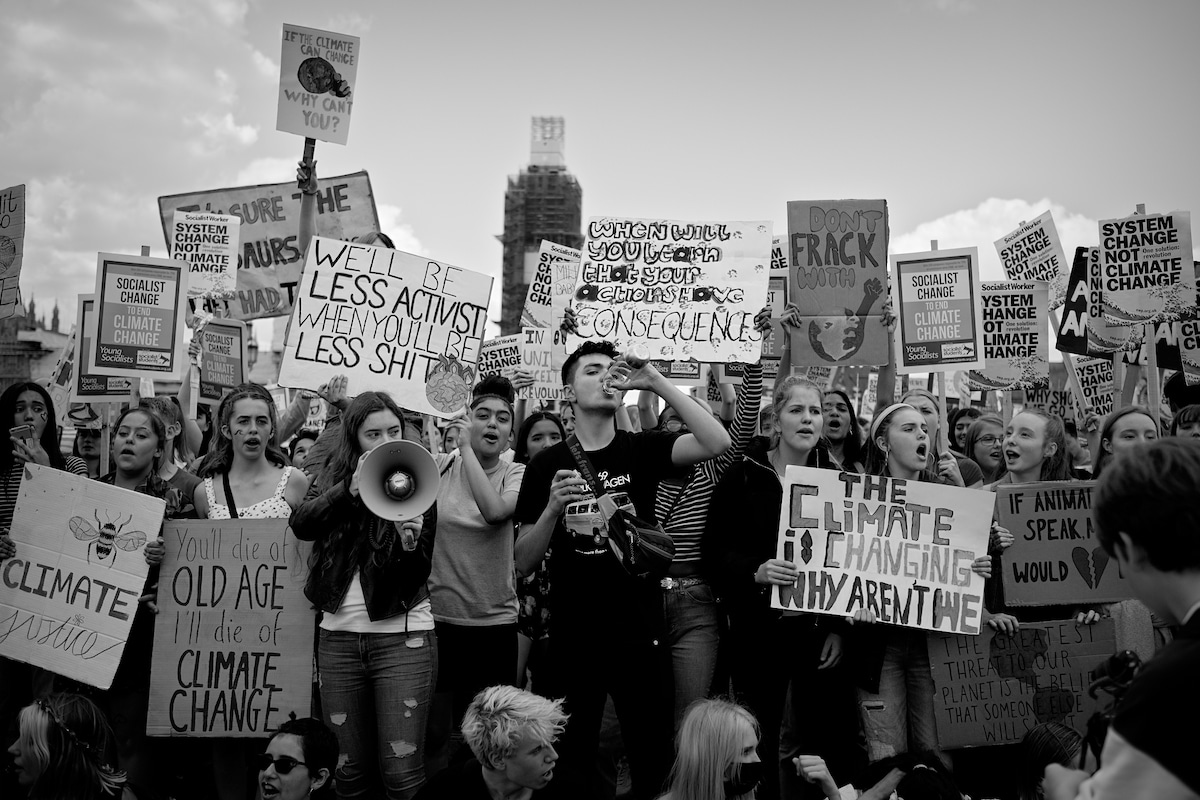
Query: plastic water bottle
<point>620,369</point>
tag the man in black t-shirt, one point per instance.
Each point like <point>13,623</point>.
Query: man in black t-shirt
<point>600,640</point>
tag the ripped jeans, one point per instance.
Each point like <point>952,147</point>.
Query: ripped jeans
<point>375,694</point>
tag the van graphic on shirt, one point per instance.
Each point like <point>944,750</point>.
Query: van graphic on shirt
<point>585,521</point>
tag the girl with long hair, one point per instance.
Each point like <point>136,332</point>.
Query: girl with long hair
<point>895,682</point>
<point>299,762</point>
<point>984,442</point>
<point>245,475</point>
<point>767,649</point>
<point>175,458</point>
<point>842,431</point>
<point>1120,431</point>
<point>959,471</point>
<point>87,447</point>
<point>540,431</point>
<point>64,751</point>
<point>377,650</point>
<point>1186,422</point>
<point>1034,449</point>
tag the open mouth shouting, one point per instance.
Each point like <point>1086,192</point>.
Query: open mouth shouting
<point>923,451</point>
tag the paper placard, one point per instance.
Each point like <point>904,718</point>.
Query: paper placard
<point>140,304</point>
<point>1096,382</point>
<point>1015,351</point>
<point>69,595</point>
<point>88,387</point>
<point>564,275</point>
<point>1188,336</point>
<point>939,307</point>
<point>500,356</point>
<point>270,260</point>
<point>223,359</point>
<point>208,244</point>
<point>535,346</point>
<point>837,250</point>
<point>684,290</point>
<point>1146,264</point>
<point>318,74</point>
<point>1033,252</point>
<point>12,248</point>
<point>991,689</point>
<point>1053,401</point>
<point>233,639</point>
<point>1056,557</point>
<point>902,549</point>
<point>390,322</point>
<point>539,311</point>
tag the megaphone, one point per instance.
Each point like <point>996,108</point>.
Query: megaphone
<point>398,481</point>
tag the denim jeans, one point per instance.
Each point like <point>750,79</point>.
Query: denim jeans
<point>375,694</point>
<point>900,718</point>
<point>691,624</point>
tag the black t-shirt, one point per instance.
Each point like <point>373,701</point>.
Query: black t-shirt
<point>589,589</point>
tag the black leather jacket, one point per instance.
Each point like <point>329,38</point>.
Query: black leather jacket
<point>393,580</point>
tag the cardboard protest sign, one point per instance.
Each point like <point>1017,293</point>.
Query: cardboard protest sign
<point>939,306</point>
<point>1015,351</point>
<point>1147,268</point>
<point>538,311</point>
<point>391,322</point>
<point>1188,337</point>
<point>270,259</point>
<point>773,342</point>
<point>318,73</point>
<point>12,248</point>
<point>318,412</point>
<point>534,345</point>
<point>233,642</point>
<point>563,277</point>
<point>991,689</point>
<point>1052,401</point>
<point>69,595</point>
<point>500,356</point>
<point>1056,557</point>
<point>222,359</point>
<point>87,386</point>
<point>685,290</point>
<point>209,244</point>
<point>1096,383</point>
<point>140,303</point>
<point>1033,252</point>
<point>902,549</point>
<point>838,262</point>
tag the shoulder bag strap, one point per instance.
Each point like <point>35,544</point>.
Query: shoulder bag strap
<point>605,501</point>
<point>229,496</point>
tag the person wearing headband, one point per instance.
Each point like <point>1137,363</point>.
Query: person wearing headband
<point>471,586</point>
<point>65,749</point>
<point>960,470</point>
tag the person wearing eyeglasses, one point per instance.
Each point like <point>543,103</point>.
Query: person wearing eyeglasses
<point>299,762</point>
<point>982,445</point>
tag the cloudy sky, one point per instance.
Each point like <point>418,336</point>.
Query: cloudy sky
<point>967,116</point>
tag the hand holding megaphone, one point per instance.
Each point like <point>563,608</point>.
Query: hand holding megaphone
<point>397,480</point>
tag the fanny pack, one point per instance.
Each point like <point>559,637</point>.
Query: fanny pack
<point>643,548</point>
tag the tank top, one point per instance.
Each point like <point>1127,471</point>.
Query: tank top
<point>274,507</point>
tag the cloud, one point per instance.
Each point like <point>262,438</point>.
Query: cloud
<point>993,218</point>
<point>401,233</point>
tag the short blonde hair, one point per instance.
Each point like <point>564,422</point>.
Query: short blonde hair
<point>499,716</point>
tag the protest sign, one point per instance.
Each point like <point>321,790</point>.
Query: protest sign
<point>69,595</point>
<point>991,689</point>
<point>88,387</point>
<point>870,397</point>
<point>1096,383</point>
<point>62,381</point>
<point>500,356</point>
<point>1052,401</point>
<point>1015,351</point>
<point>270,261</point>
<point>318,411</point>
<point>1033,252</point>
<point>821,376</point>
<point>902,549</point>
<point>538,311</point>
<point>1146,264</point>
<point>939,308</point>
<point>1188,337</point>
<point>140,304</point>
<point>12,248</point>
<point>390,322</point>
<point>318,73</point>
<point>563,276</point>
<point>534,345</point>
<point>1056,557</point>
<point>684,290</point>
<point>838,262</point>
<point>208,243</point>
<point>233,642</point>
<point>222,359</point>
<point>772,344</point>
<point>1083,329</point>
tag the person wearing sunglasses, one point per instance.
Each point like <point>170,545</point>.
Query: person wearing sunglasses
<point>299,762</point>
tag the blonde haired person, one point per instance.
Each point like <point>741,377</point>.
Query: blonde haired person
<point>511,733</point>
<point>65,749</point>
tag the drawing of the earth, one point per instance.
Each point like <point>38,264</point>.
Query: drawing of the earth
<point>8,252</point>
<point>318,76</point>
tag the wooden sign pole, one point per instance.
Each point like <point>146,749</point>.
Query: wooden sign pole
<point>944,423</point>
<point>1153,377</point>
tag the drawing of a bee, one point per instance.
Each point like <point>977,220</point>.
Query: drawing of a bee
<point>106,534</point>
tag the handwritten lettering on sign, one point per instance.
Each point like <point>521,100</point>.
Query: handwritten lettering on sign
<point>233,641</point>
<point>685,290</point>
<point>318,75</point>
<point>902,549</point>
<point>991,689</point>
<point>69,595</point>
<point>536,357</point>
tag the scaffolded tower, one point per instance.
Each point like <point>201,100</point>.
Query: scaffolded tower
<point>543,201</point>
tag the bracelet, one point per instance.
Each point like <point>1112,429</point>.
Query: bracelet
<point>307,192</point>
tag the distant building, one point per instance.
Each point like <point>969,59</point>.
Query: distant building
<point>543,201</point>
<point>28,349</point>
